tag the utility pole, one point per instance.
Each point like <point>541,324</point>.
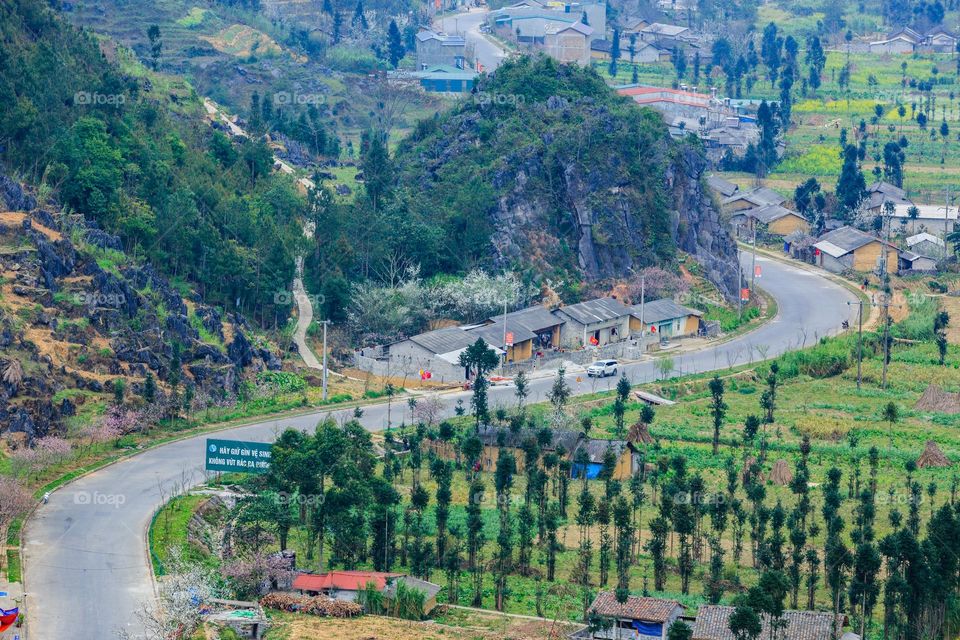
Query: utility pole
<point>859,304</point>
<point>325,323</point>
<point>643,326</point>
<point>753,267</point>
<point>739,289</point>
<point>503,362</point>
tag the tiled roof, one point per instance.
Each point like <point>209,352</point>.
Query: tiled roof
<point>924,237</point>
<point>635,608</point>
<point>663,309</point>
<point>597,448</point>
<point>593,311</point>
<point>341,580</point>
<point>713,624</point>
<point>490,437</point>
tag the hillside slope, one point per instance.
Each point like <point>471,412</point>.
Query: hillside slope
<point>546,169</point>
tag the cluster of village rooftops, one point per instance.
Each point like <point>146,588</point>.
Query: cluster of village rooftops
<point>637,618</point>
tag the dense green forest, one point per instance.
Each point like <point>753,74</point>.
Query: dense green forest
<point>142,163</point>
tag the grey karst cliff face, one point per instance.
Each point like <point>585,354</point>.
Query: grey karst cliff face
<point>602,218</point>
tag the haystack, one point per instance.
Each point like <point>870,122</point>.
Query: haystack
<point>936,399</point>
<point>640,433</point>
<point>781,473</point>
<point>932,457</point>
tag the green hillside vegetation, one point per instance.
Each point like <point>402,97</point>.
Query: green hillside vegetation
<point>456,168</point>
<point>110,146</point>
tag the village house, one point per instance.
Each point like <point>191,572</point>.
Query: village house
<point>881,192</point>
<point>936,219</point>
<point>436,351</point>
<point>596,451</point>
<point>594,322</point>
<point>568,43</point>
<point>910,261</point>
<point>713,623</point>
<point>752,198</point>
<point>563,442</point>
<point>770,219</point>
<point>443,78</point>
<point>600,50</point>
<point>537,320</point>
<point>848,249</point>
<point>705,109</point>
<point>531,21</point>
<point>906,40</point>
<point>723,188</point>
<point>440,49</point>
<point>658,31</point>
<point>665,318</point>
<point>637,618</point>
<point>926,244</point>
<point>341,585</point>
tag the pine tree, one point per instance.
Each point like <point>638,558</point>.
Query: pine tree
<point>718,410</point>
<point>149,388</point>
<point>851,186</point>
<point>395,48</point>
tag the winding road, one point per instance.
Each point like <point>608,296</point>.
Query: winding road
<point>86,561</point>
<point>487,52</point>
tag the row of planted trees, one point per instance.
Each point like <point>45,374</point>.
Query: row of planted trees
<point>353,509</point>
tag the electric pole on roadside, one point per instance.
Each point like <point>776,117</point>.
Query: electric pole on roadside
<point>325,323</point>
<point>859,304</point>
<point>753,267</point>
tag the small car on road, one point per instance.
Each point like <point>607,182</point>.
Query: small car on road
<point>602,369</point>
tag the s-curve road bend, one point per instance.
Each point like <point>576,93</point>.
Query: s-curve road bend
<point>87,567</point>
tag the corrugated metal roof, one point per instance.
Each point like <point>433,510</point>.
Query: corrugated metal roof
<point>848,238</point>
<point>713,623</point>
<point>759,196</point>
<point>429,589</point>
<point>535,318</point>
<point>768,213</point>
<point>493,333</point>
<point>663,309</point>
<point>444,340</point>
<point>721,186</point>
<point>831,249</point>
<point>594,311</point>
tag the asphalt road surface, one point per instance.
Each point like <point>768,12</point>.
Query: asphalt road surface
<point>87,568</point>
<point>488,52</point>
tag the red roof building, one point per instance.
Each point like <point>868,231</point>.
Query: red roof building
<point>341,581</point>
